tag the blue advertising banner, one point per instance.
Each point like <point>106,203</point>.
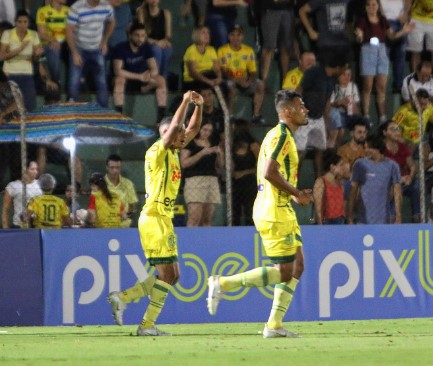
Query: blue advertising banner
<point>351,272</point>
<point>21,299</point>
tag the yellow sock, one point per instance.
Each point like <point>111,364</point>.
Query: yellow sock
<point>283,294</point>
<point>139,290</point>
<point>158,294</point>
<point>257,277</point>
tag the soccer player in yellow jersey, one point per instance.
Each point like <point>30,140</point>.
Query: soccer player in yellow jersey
<point>159,242</point>
<point>274,217</point>
<point>48,211</point>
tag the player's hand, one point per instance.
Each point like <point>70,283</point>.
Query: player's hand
<point>305,197</point>
<point>196,98</point>
<point>187,96</point>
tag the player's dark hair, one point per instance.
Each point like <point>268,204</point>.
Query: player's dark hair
<point>283,98</point>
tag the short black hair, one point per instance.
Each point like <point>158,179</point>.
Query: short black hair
<point>136,26</point>
<point>422,93</point>
<point>376,142</point>
<point>331,158</point>
<point>113,157</point>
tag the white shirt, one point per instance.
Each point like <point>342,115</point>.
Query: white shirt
<point>350,91</point>
<point>392,9</point>
<point>412,80</point>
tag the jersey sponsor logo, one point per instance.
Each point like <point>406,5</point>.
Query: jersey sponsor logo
<point>168,202</point>
<point>176,175</point>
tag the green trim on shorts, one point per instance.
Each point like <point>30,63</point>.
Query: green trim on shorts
<point>283,259</point>
<point>165,260</point>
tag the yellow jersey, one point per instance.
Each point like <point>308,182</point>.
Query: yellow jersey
<point>53,20</point>
<point>407,119</point>
<point>292,79</point>
<point>48,211</point>
<point>422,10</point>
<point>239,64</point>
<point>272,204</point>
<point>203,61</point>
<point>162,180</point>
<point>108,214</point>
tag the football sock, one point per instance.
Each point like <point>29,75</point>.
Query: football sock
<point>257,277</point>
<point>158,295</point>
<point>139,290</point>
<point>283,294</point>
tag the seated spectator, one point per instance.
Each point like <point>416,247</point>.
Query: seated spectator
<point>157,22</point>
<point>121,186</point>
<point>372,31</point>
<point>375,182</point>
<point>245,154</point>
<point>329,191</point>
<point>51,23</point>
<point>407,118</point>
<point>401,154</point>
<point>239,69</point>
<point>14,196</point>
<point>355,148</point>
<point>105,209</point>
<point>421,78</point>
<point>47,211</point>
<point>344,105</point>
<point>199,161</point>
<point>201,68</point>
<point>135,70</point>
<point>293,78</point>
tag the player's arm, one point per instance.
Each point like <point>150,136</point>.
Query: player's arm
<point>196,118</point>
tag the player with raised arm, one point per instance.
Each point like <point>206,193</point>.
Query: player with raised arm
<point>274,217</point>
<point>159,242</point>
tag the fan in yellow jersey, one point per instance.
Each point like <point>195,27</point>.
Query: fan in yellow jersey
<point>274,217</point>
<point>48,211</point>
<point>159,242</point>
<point>293,78</point>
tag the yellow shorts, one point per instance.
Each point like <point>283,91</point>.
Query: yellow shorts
<point>280,239</point>
<point>158,240</point>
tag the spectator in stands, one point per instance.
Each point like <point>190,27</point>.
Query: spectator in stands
<point>48,211</point>
<point>293,77</point>
<point>277,23</point>
<point>401,154</point>
<point>18,47</point>
<point>105,210</point>
<point>239,70</point>
<point>51,23</point>
<point>420,78</point>
<point>200,160</point>
<point>7,10</point>
<point>121,186</point>
<point>345,103</point>
<point>407,118</point>
<point>68,200</point>
<point>135,70</point>
<point>372,31</point>
<point>123,19</point>
<point>355,148</point>
<point>157,22</point>
<point>197,8</point>
<point>213,114</point>
<point>328,191</point>
<point>201,68</point>
<point>245,154</point>
<point>13,196</point>
<point>428,167</point>
<point>89,26</point>
<point>375,183</point>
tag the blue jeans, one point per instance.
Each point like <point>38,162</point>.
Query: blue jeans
<point>94,60</point>
<point>162,57</point>
<point>219,26</point>
<point>397,54</point>
<point>28,89</point>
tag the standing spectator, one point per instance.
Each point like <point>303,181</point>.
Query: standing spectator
<point>19,46</point>
<point>372,30</point>
<point>201,68</point>
<point>51,22</point>
<point>355,148</point>
<point>239,69</point>
<point>48,211</point>
<point>428,167</point>
<point>135,70</point>
<point>213,114</point>
<point>157,22</point>
<point>197,8</point>
<point>293,77</point>
<point>121,186</point>
<point>89,26</point>
<point>200,160</point>
<point>375,182</point>
<point>13,196</point>
<point>401,154</point>
<point>105,210</point>
<point>123,19</point>
<point>245,154</point>
<point>420,78</point>
<point>68,199</point>
<point>328,191</point>
<point>7,10</point>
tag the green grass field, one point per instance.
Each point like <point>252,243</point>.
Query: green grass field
<point>376,342</point>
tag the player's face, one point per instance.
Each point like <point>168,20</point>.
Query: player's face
<point>113,169</point>
<point>299,112</point>
<point>180,139</point>
<point>138,37</point>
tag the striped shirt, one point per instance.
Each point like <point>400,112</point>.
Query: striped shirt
<point>89,22</point>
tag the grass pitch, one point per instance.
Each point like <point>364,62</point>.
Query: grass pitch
<point>376,342</point>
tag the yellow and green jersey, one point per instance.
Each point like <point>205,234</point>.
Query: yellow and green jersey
<point>108,213</point>
<point>292,79</point>
<point>271,203</point>
<point>162,180</point>
<point>407,119</point>
<point>53,20</point>
<point>48,211</point>
<point>239,64</point>
<point>422,10</point>
<point>203,61</point>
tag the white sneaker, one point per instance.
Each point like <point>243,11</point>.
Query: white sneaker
<point>117,307</point>
<point>154,331</point>
<point>214,294</point>
<point>278,333</point>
